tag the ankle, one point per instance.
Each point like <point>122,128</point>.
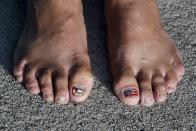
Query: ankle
<point>57,6</point>
<point>127,3</point>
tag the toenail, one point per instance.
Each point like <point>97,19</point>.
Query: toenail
<point>180,77</point>
<point>60,100</point>
<point>162,97</point>
<point>30,88</point>
<point>171,89</point>
<point>18,78</point>
<point>130,92</point>
<point>78,91</point>
<point>148,101</point>
<point>47,96</point>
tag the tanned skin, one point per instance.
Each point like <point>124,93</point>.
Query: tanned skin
<point>52,57</point>
<point>145,62</point>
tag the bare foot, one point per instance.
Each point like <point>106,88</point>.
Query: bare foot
<point>51,57</point>
<point>145,62</point>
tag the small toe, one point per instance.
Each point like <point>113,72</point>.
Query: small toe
<point>61,88</point>
<point>179,70</point>
<point>18,70</point>
<point>30,81</point>
<point>146,93</point>
<point>45,83</point>
<point>171,81</point>
<point>80,83</point>
<point>159,87</point>
<point>126,88</point>
<point>178,67</point>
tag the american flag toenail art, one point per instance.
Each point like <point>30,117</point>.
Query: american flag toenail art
<point>77,91</point>
<point>130,92</point>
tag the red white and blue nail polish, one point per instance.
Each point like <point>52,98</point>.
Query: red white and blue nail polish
<point>130,92</point>
<point>76,91</point>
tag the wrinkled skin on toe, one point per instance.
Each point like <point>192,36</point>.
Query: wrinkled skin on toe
<point>51,56</point>
<point>145,62</point>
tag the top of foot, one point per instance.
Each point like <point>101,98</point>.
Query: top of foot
<point>51,57</point>
<point>145,62</point>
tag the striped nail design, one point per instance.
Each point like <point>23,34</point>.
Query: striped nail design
<point>130,92</point>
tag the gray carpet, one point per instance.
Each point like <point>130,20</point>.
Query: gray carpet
<point>102,111</point>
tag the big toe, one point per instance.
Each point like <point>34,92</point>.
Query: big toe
<point>80,83</point>
<point>126,89</point>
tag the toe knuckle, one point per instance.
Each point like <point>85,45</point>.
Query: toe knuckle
<point>160,85</point>
<point>45,85</point>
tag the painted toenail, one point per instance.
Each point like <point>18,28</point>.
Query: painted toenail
<point>77,91</point>
<point>130,92</point>
<point>60,100</point>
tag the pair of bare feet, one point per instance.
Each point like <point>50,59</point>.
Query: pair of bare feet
<point>52,57</point>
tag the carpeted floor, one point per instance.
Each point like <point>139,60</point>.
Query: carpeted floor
<point>102,111</point>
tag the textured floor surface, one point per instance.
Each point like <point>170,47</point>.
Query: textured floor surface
<point>102,111</point>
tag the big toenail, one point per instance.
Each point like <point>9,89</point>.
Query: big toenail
<point>130,92</point>
<point>76,91</point>
<point>60,100</point>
